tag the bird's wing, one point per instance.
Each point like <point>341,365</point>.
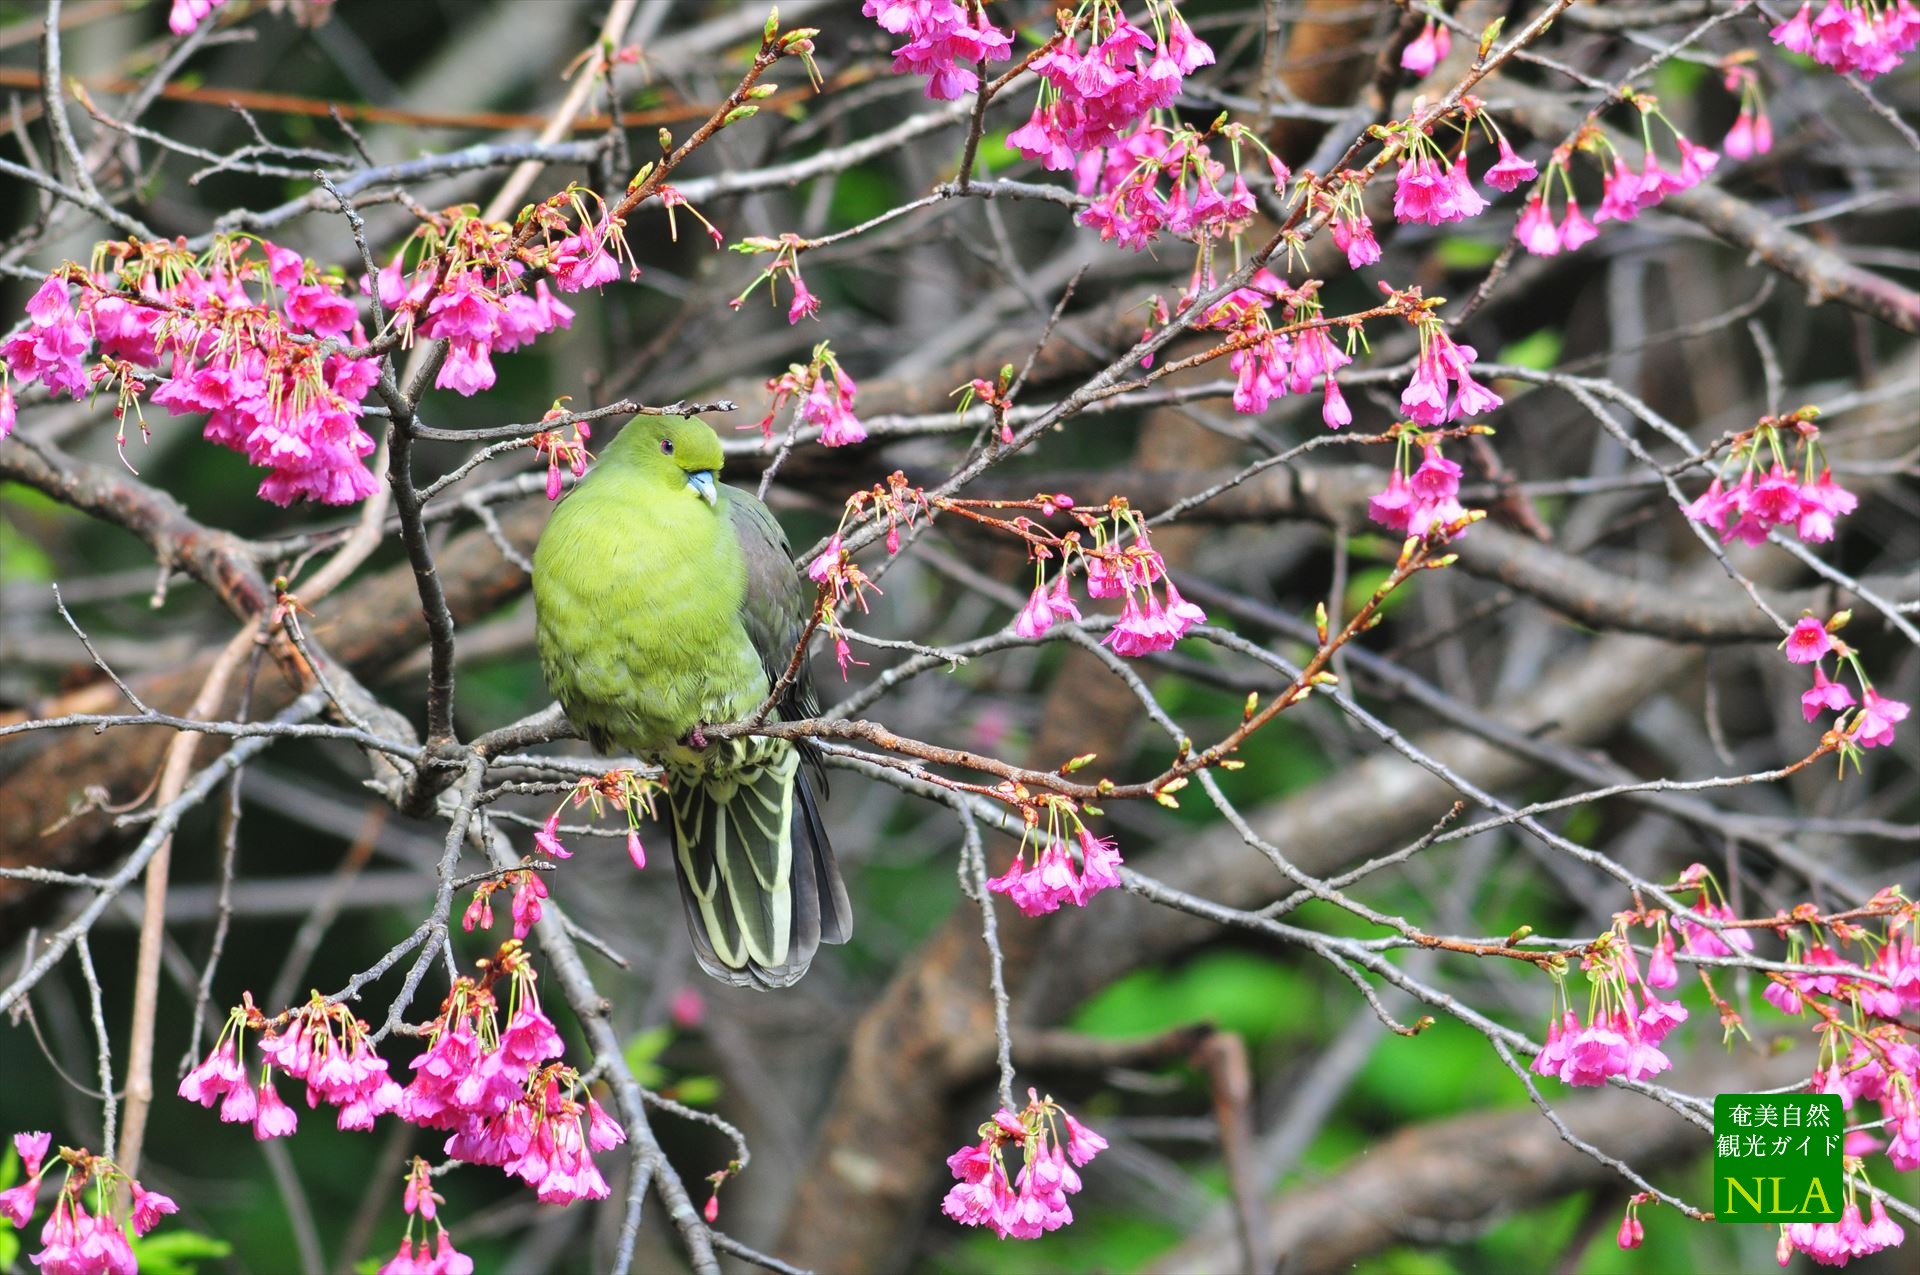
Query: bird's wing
<point>777,601</point>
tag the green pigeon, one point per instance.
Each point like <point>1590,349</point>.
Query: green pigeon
<point>665,602</point>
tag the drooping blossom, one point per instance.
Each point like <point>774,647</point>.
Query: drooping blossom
<point>1027,1204</point>
<point>1873,727</point>
<point>945,40</point>
<point>1824,696</point>
<point>1093,94</point>
<point>323,1044</point>
<point>1432,192</point>
<point>1867,38</point>
<point>587,258</point>
<point>1428,49</point>
<point>421,1203</point>
<point>1055,874</point>
<point>826,395</point>
<point>186,334</point>
<point>1758,501</point>
<point>1511,172</point>
<point>829,404</point>
<point>1429,399</point>
<point>1423,502</point>
<point>1750,135</point>
<point>74,1241</point>
<point>1625,1027</point>
<point>188,14</point>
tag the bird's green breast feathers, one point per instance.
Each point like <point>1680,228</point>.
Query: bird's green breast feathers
<point>638,587</point>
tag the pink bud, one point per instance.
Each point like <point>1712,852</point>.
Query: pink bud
<point>553,482</point>
<point>712,1211</point>
<point>635,850</point>
<point>688,1008</point>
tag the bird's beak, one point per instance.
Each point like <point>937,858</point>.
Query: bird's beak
<point>701,480</point>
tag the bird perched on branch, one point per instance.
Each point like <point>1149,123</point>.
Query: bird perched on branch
<point>664,603</point>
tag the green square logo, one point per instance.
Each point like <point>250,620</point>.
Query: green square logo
<point>1776,1157</point>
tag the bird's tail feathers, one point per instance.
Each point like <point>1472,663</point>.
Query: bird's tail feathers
<point>756,910</point>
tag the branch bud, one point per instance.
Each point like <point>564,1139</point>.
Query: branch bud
<point>738,113</point>
<point>1488,36</point>
<point>772,28</point>
<point>1077,763</point>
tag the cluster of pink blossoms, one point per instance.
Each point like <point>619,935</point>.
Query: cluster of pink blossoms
<point>1865,37</point>
<point>1125,178</point>
<point>1837,1243</point>
<point>496,1090</point>
<point>1147,623</point>
<point>1052,1145</point>
<point>1863,1005</point>
<point>188,14</point>
<point>1443,388</point>
<point>941,35</point>
<point>1268,364</point>
<point>1094,95</point>
<point>1425,501</point>
<point>322,1044</point>
<point>1865,1052</point>
<point>1809,642</point>
<point>1431,189</point>
<point>1698,939</point>
<point>1053,878</point>
<point>499,1094</point>
<point>1752,132</point>
<point>1865,1055</point>
<point>1778,496</point>
<point>466,289</point>
<point>267,372</point>
<point>1625,1023</point>
<point>1626,191</point>
<point>629,792</point>
<point>75,1241</point>
<point>826,396</point>
<point>422,1202</point>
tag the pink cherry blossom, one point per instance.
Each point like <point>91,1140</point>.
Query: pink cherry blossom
<point>1511,172</point>
<point>1427,50</point>
<point>1873,728</point>
<point>188,14</point>
<point>1808,641</point>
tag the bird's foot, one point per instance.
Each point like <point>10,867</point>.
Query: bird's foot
<point>696,739</point>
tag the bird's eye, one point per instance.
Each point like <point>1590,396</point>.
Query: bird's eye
<point>666,445</point>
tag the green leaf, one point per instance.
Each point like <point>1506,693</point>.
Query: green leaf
<point>641,1052</point>
<point>696,1091</point>
<point>1539,351</point>
<point>1242,992</point>
<point>1464,252</point>
<point>173,1252</point>
<point>995,155</point>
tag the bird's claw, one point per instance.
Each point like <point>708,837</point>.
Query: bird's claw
<point>696,740</point>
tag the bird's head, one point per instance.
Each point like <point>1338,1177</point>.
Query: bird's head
<point>679,453</point>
